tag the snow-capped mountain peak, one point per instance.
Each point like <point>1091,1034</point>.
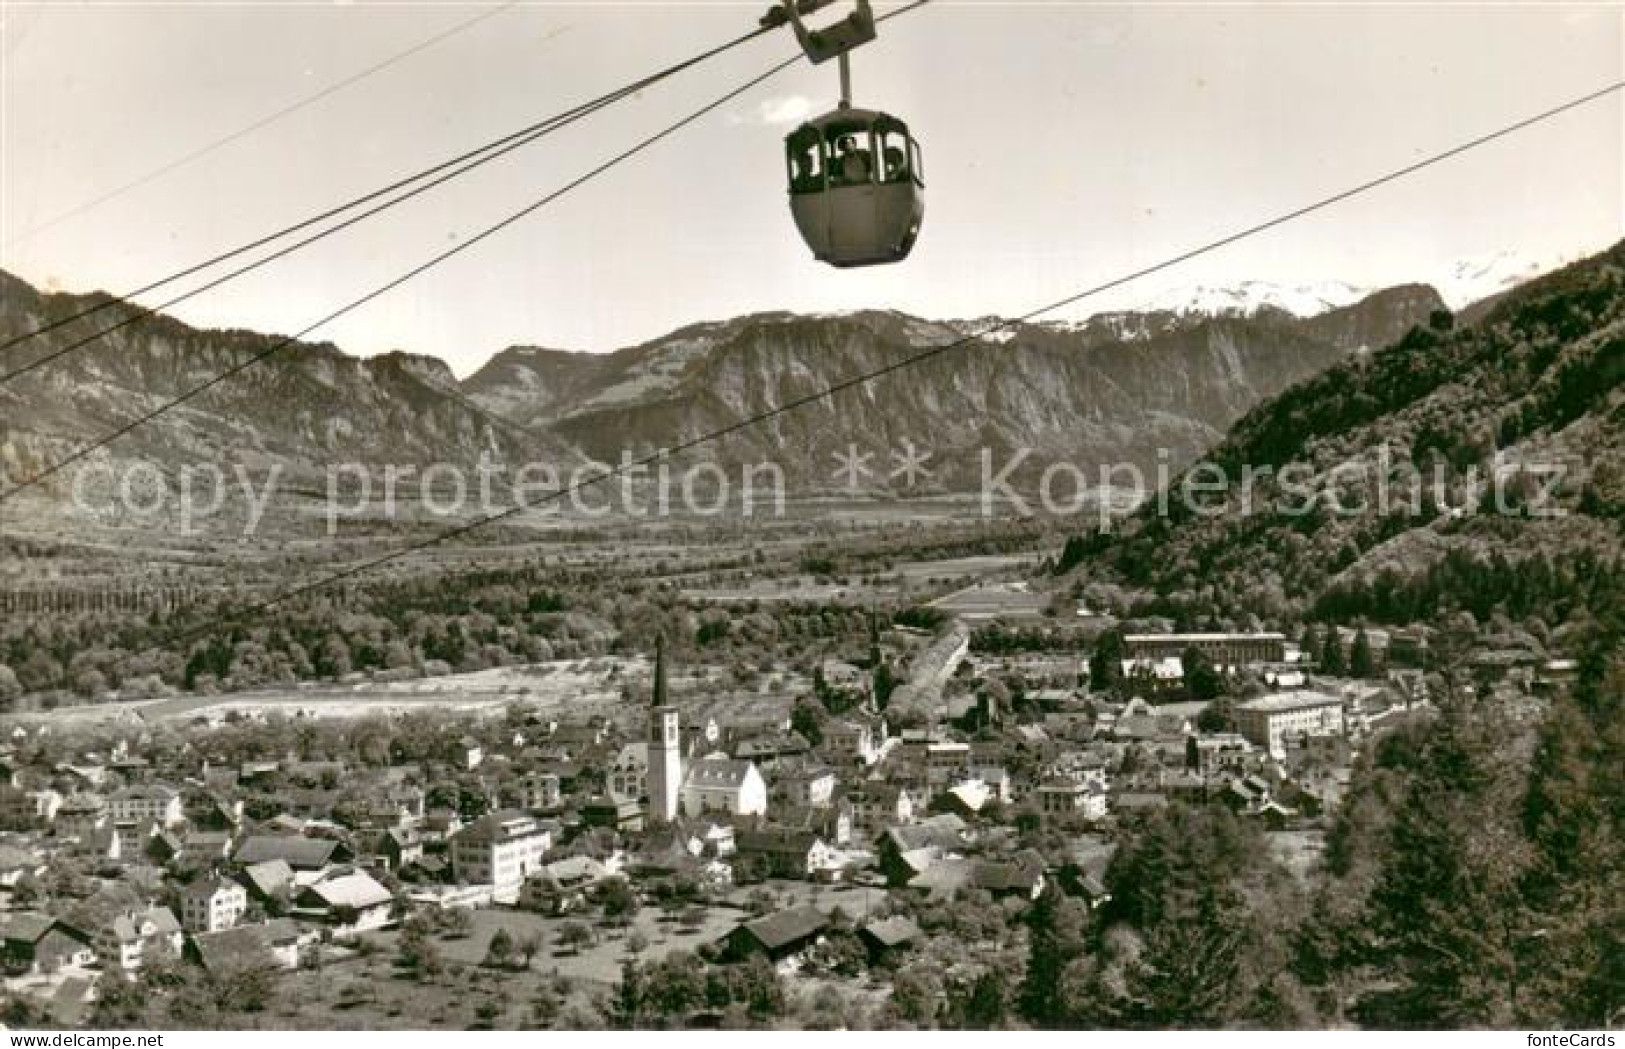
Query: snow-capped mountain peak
<point>1249,297</point>
<point>1475,278</point>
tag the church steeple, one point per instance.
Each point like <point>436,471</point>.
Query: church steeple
<point>665,777</point>
<point>659,698</point>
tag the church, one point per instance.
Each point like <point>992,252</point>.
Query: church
<point>715,784</point>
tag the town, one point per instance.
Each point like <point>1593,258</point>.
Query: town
<point>866,853</point>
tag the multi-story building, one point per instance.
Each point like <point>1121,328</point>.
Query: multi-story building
<point>501,850</point>
<point>213,904</point>
<point>1063,796</point>
<point>540,792</point>
<point>147,803</point>
<point>853,739</point>
<point>1222,649</point>
<point>133,938</point>
<point>629,775</point>
<point>1269,721</point>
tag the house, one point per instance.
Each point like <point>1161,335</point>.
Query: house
<point>80,815</point>
<point>998,780</point>
<point>348,899</point>
<point>1083,872</point>
<point>562,887</point>
<point>1212,752</point>
<point>502,850</point>
<point>393,848</point>
<point>24,810</point>
<point>1145,676</point>
<point>877,804</point>
<point>270,881</point>
<point>470,755</point>
<point>946,760</point>
<point>811,787</point>
<point>213,904</point>
<point>130,939</point>
<point>628,775</point>
<point>887,939</point>
<point>780,853</point>
<point>777,936</point>
<point>903,853</point>
<point>853,741</point>
<point>604,810</point>
<point>1063,796</point>
<point>147,803</point>
<point>1020,876</point>
<point>273,945</point>
<point>37,944</point>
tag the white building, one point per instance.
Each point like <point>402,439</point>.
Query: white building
<point>718,784</point>
<point>133,938</point>
<point>628,777</point>
<point>501,850</point>
<point>1269,721</point>
<point>211,905</point>
<point>147,804</point>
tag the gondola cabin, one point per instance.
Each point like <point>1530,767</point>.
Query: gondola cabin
<point>857,189</point>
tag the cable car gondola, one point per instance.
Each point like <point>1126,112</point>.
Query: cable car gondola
<point>857,187</point>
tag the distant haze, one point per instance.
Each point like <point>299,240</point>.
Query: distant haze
<point>1065,144</point>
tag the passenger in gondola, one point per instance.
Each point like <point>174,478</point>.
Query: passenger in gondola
<point>896,165</point>
<point>853,164</point>
<point>804,178</point>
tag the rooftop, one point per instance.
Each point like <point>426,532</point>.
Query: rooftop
<point>1285,701</point>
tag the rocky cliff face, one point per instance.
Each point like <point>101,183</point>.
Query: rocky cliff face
<point>1137,388</point>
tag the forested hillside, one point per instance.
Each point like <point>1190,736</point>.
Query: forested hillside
<point>1478,468</point>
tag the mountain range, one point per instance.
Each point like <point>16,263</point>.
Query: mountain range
<point>1114,388</point>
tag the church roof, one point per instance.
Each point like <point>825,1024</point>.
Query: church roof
<point>719,772</point>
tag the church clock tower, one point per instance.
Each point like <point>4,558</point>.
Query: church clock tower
<point>665,747</point>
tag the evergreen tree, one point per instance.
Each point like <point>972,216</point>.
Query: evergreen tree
<point>1201,679</point>
<point>1361,662</point>
<point>1106,662</point>
<point>1331,653</point>
<point>1055,940</point>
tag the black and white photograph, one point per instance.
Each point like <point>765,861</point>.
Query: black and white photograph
<point>706,516</point>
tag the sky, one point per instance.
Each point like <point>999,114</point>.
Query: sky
<point>1065,144</point>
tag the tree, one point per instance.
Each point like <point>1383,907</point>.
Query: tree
<point>1447,905</point>
<point>10,687</point>
<point>620,902</point>
<point>1203,681</point>
<point>574,936</point>
<point>530,945</point>
<point>1361,662</point>
<point>499,952</point>
<point>1331,653</point>
<point>1054,940</point>
<point>1106,662</point>
<point>980,1006</point>
<point>457,923</point>
<point>807,719</point>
